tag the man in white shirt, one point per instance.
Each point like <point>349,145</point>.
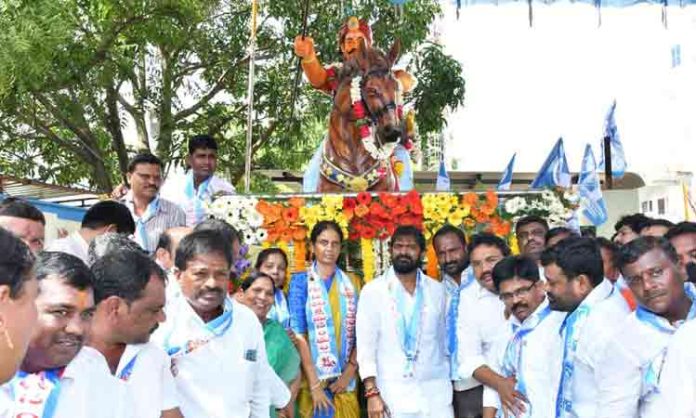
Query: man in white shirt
<point>25,221</point>
<point>480,329</point>
<point>632,367</point>
<point>130,297</point>
<point>216,345</point>
<point>202,185</point>
<point>103,217</point>
<point>59,377</point>
<point>400,328</point>
<point>450,247</point>
<point>532,352</point>
<point>152,214</point>
<point>677,387</point>
<point>531,235</point>
<point>575,284</point>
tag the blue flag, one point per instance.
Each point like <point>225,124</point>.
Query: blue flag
<point>591,200</point>
<point>506,179</point>
<point>618,159</point>
<point>554,172</point>
<point>443,181</point>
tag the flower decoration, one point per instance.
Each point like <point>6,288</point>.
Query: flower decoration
<point>557,206</point>
<point>240,212</point>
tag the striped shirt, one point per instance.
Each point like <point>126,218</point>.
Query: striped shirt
<point>168,215</point>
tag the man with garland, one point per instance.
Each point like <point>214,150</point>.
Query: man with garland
<point>402,356</point>
<point>531,353</point>
<point>632,370</point>
<point>351,34</point>
<point>449,243</point>
<point>59,376</point>
<point>575,284</point>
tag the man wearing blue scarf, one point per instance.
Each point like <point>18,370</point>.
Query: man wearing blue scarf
<point>636,354</point>
<point>450,247</point>
<point>401,337</point>
<point>201,185</point>
<point>531,354</point>
<point>575,284</point>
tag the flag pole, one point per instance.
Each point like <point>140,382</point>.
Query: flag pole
<point>250,97</point>
<point>608,176</point>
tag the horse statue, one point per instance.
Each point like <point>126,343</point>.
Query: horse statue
<point>365,125</point>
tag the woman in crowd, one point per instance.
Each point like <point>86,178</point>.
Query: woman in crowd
<point>274,262</point>
<point>323,302</point>
<point>256,292</point>
<point>18,290</point>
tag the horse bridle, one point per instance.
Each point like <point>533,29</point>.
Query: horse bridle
<point>374,115</point>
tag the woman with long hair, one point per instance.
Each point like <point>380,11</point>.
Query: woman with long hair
<point>323,302</point>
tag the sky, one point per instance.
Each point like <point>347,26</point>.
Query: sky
<point>526,87</point>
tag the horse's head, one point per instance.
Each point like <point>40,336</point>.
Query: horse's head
<point>378,90</point>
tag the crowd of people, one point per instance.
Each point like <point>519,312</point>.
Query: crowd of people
<point>133,316</point>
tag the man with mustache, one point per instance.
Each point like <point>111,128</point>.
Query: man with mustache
<point>152,214</point>
<point>216,345</point>
<point>531,235</point>
<point>59,377</point>
<point>636,353</point>
<point>129,293</point>
<point>450,247</point>
<point>531,354</point>
<point>351,34</point>
<point>202,185</point>
<point>401,337</point>
<point>575,284</point>
<point>480,327</point>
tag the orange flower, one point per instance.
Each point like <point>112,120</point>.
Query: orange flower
<point>389,200</point>
<point>299,233</point>
<point>361,210</point>
<point>296,202</point>
<point>291,214</point>
<point>469,223</point>
<point>491,198</point>
<point>470,199</point>
<point>364,198</point>
<point>286,235</point>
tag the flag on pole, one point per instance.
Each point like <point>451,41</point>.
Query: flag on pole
<point>443,181</point>
<point>554,172</point>
<point>506,179</point>
<point>591,200</point>
<point>618,158</point>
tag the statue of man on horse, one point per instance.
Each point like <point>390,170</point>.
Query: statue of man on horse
<point>366,143</point>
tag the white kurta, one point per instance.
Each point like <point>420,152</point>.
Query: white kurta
<point>174,192</point>
<point>541,362</point>
<point>609,310</point>
<point>151,382</point>
<point>227,377</point>
<point>677,388</point>
<point>429,392</point>
<point>87,390</point>
<point>481,326</point>
<point>73,244</point>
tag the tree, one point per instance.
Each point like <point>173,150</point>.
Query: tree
<point>77,77</point>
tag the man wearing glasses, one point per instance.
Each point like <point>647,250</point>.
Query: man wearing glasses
<point>532,331</point>
<point>480,327</point>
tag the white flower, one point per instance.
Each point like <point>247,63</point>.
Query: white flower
<point>254,219</point>
<point>249,237</point>
<point>261,235</point>
<point>514,205</point>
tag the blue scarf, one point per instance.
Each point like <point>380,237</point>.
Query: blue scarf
<point>408,326</point>
<point>329,363</point>
<point>279,311</point>
<point>36,394</point>
<point>513,358</point>
<point>210,330</point>
<point>140,230</point>
<point>197,196</point>
<point>651,372</point>
<point>127,371</point>
<point>452,313</point>
<point>572,325</point>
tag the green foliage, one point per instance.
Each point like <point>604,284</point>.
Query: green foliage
<point>84,84</point>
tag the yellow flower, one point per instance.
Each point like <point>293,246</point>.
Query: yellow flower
<point>454,219</point>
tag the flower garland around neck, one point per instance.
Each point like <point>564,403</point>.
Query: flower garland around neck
<point>364,124</point>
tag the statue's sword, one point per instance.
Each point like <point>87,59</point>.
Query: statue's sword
<point>298,68</point>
